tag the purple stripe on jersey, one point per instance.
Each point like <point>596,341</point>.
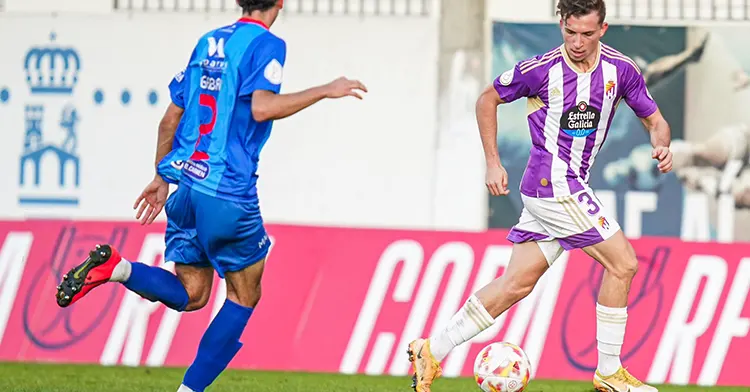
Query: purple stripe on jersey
<point>565,141</point>
<point>597,98</point>
<point>540,161</point>
<point>518,236</point>
<point>582,240</point>
<point>609,124</point>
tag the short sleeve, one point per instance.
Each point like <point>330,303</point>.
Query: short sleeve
<point>514,84</point>
<point>264,67</point>
<point>636,93</point>
<point>177,89</point>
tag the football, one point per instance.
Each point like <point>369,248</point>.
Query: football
<point>502,367</point>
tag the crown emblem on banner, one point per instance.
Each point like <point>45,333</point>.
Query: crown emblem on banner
<point>52,69</point>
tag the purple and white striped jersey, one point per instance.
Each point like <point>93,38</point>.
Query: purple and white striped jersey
<point>570,114</point>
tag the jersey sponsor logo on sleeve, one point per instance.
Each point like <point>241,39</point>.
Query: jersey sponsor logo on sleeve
<point>507,77</point>
<point>274,72</point>
<point>179,76</point>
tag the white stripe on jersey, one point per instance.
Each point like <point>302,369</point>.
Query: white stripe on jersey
<point>609,72</point>
<point>552,130</point>
<point>583,93</point>
<point>545,56</point>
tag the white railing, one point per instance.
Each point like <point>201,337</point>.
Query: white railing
<point>676,10</point>
<point>309,7</point>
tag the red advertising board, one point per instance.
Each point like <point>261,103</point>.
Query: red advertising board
<point>348,300</point>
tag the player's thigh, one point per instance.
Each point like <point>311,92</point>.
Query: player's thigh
<point>198,281</point>
<point>616,255</point>
<point>181,236</point>
<point>576,221</point>
<point>529,230</point>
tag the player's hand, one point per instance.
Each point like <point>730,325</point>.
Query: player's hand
<point>151,200</point>
<point>664,156</point>
<point>343,87</point>
<point>497,180</point>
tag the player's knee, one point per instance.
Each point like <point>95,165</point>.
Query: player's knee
<point>246,296</point>
<point>517,289</point>
<point>197,299</point>
<point>627,266</point>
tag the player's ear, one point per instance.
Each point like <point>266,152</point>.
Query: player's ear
<point>604,28</point>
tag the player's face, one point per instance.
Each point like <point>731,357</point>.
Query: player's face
<point>582,34</point>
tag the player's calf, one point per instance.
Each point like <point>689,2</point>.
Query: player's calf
<point>220,343</point>
<point>619,260</point>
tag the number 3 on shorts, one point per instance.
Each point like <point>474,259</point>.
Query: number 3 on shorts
<point>584,197</point>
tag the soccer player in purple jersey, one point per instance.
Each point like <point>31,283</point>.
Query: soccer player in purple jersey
<point>572,92</point>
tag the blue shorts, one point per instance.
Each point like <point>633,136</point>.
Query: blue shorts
<point>205,231</point>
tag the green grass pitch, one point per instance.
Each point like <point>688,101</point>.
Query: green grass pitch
<point>16,377</point>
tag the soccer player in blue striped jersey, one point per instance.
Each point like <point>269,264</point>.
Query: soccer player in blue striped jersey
<point>210,138</point>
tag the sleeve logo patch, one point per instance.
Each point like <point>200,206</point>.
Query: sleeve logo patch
<point>274,72</point>
<point>506,77</point>
<point>179,76</point>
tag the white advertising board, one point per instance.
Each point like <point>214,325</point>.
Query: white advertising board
<point>81,97</point>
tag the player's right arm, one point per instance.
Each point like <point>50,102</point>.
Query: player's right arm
<point>167,129</point>
<point>486,111</point>
<point>508,87</point>
<point>152,199</point>
<point>263,84</point>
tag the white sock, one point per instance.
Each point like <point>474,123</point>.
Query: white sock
<point>184,389</point>
<point>121,272</point>
<point>610,334</point>
<point>468,322</point>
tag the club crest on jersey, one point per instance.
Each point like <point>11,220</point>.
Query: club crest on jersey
<point>580,120</point>
<point>603,223</point>
<point>506,77</point>
<point>609,89</point>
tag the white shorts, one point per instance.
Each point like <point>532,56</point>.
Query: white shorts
<point>563,223</point>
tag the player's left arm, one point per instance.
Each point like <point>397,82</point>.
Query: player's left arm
<point>639,99</point>
<point>264,85</point>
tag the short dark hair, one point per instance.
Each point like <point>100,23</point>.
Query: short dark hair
<point>568,8</point>
<point>249,6</point>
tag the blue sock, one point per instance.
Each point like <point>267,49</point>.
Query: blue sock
<point>157,284</point>
<point>220,343</point>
